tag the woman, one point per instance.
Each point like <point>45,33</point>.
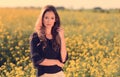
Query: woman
<point>47,44</point>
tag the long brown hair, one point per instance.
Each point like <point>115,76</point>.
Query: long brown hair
<point>40,28</point>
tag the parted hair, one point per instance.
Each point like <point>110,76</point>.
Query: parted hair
<point>40,28</point>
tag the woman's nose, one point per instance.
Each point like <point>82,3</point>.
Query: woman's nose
<point>48,20</point>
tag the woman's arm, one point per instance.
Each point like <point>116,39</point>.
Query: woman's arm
<point>49,62</point>
<point>63,50</point>
<point>63,45</point>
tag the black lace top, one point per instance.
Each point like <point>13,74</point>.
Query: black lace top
<point>38,55</point>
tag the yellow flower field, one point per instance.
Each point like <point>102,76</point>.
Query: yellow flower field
<point>92,39</point>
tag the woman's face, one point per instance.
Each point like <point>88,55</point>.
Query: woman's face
<point>49,19</point>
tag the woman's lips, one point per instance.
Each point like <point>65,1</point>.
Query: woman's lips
<point>48,24</point>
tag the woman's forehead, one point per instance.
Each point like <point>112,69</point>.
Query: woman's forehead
<point>51,13</point>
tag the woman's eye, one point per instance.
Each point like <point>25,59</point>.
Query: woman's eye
<point>46,17</point>
<point>52,18</point>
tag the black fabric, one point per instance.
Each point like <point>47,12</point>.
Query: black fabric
<point>38,55</point>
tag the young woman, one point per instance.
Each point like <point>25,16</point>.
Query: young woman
<point>47,44</point>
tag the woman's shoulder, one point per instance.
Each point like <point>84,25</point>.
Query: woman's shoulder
<point>34,35</point>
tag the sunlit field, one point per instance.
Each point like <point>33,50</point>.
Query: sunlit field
<point>92,40</point>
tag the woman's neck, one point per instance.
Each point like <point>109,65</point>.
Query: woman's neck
<point>48,31</point>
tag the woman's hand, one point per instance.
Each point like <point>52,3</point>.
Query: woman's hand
<point>61,32</point>
<point>59,63</point>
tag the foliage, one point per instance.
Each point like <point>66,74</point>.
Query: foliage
<point>92,40</point>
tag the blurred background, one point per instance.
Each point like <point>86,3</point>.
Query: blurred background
<point>92,34</point>
<point>69,4</point>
